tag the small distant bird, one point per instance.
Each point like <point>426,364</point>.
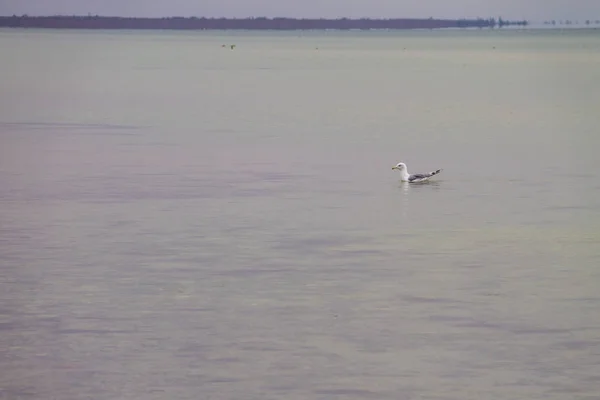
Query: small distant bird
<point>406,177</point>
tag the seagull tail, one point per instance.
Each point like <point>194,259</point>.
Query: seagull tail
<point>437,171</point>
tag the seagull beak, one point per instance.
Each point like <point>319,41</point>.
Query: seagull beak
<point>394,167</point>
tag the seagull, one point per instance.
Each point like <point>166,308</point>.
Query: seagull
<point>406,177</point>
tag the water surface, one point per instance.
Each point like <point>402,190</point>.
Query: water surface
<point>180,220</point>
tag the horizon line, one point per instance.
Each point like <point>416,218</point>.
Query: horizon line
<point>256,17</point>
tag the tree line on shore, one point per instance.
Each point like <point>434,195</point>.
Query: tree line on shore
<point>260,23</point>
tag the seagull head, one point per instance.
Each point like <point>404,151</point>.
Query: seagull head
<point>400,166</point>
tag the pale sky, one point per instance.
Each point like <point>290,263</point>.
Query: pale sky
<point>533,10</point>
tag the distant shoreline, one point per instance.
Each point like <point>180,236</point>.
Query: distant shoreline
<point>261,23</point>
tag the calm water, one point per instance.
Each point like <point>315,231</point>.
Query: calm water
<point>179,220</point>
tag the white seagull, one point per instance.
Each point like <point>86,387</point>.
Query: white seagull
<point>406,177</point>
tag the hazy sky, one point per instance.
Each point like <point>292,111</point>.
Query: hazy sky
<point>535,10</point>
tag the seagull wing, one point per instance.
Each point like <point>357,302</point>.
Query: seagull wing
<point>423,177</point>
